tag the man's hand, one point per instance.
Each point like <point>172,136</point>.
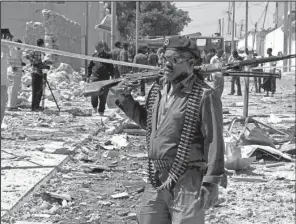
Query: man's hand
<point>86,79</point>
<point>122,90</point>
<point>208,196</point>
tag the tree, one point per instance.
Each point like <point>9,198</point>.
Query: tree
<point>156,19</point>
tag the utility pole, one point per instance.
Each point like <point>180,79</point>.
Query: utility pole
<point>233,24</point>
<point>246,95</point>
<point>276,14</point>
<point>254,37</point>
<point>229,19</point>
<point>137,25</point>
<point>290,36</point>
<point>113,23</point>
<point>86,36</point>
<point>219,27</point>
<point>241,31</point>
<point>222,27</point>
<point>285,34</point>
<point>266,7</point>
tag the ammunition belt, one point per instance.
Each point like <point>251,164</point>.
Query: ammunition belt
<point>163,165</point>
<point>180,163</point>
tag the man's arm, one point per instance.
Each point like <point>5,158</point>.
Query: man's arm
<point>212,130</point>
<point>133,110</point>
<point>89,68</point>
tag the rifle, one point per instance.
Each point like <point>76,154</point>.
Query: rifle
<point>231,69</point>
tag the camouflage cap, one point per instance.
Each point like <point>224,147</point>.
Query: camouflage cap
<point>181,43</point>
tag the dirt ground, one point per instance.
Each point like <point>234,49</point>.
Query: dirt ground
<point>271,200</point>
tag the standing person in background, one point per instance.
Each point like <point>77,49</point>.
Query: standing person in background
<point>123,56</point>
<point>153,58</point>
<point>235,79</point>
<point>218,78</point>
<point>4,80</point>
<point>141,58</point>
<point>160,53</point>
<point>36,60</point>
<point>209,56</point>
<point>269,84</point>
<point>257,80</point>
<point>98,71</point>
<point>16,60</point>
<point>115,56</point>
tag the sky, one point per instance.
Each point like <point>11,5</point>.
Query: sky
<point>205,15</point>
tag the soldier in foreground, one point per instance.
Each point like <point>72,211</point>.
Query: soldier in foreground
<point>184,140</point>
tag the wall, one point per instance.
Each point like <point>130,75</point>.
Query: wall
<point>33,32</point>
<point>62,34</point>
<point>275,40</point>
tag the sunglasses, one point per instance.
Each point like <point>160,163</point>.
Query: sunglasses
<point>175,60</point>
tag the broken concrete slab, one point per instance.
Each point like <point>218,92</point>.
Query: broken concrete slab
<point>248,179</point>
<point>260,150</point>
<point>110,154</point>
<point>120,195</point>
<point>55,147</point>
<point>288,148</point>
<point>139,155</point>
<point>27,222</point>
<point>139,132</point>
<point>120,141</point>
<point>134,186</point>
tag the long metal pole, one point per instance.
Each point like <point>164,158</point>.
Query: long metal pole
<point>137,25</point>
<point>285,50</point>
<point>113,23</point>
<point>290,36</point>
<point>233,24</point>
<point>246,95</point>
<point>86,36</point>
<point>223,25</point>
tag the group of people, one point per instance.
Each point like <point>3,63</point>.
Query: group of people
<point>268,84</point>
<point>13,60</point>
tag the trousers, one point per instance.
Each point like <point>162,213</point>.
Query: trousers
<point>235,80</point>
<point>37,90</point>
<point>179,206</point>
<point>14,86</point>
<point>102,97</point>
<point>3,101</point>
<point>218,81</point>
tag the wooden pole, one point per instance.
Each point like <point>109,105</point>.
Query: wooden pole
<point>113,23</point>
<point>222,27</point>
<point>285,49</point>
<point>233,24</point>
<point>246,95</point>
<point>290,36</point>
<point>219,27</point>
<point>137,25</point>
<point>276,14</point>
<point>86,36</point>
